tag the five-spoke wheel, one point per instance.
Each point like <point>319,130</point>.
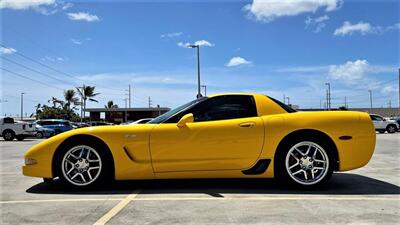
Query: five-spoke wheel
<point>81,165</point>
<point>307,163</point>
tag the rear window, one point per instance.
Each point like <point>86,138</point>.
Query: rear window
<point>283,106</point>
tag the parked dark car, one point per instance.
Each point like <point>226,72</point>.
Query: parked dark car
<point>57,125</point>
<point>43,132</point>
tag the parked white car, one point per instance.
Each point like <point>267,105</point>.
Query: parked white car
<point>381,124</point>
<point>9,129</point>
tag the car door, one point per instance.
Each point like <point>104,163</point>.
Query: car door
<point>378,121</point>
<point>226,134</point>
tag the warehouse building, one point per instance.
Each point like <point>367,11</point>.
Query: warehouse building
<point>120,115</point>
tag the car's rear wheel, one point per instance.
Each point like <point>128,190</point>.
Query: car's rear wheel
<point>306,162</point>
<point>8,135</point>
<point>39,135</point>
<point>83,166</point>
<point>391,128</point>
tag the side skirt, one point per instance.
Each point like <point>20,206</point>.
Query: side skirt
<point>259,168</point>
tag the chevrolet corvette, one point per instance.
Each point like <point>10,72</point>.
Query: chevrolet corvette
<point>221,136</point>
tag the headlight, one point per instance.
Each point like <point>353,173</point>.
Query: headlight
<point>29,161</point>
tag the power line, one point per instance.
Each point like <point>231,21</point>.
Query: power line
<point>33,70</point>
<point>53,69</point>
<point>28,78</point>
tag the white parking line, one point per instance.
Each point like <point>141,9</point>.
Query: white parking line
<point>61,200</point>
<point>114,211</point>
<point>130,197</point>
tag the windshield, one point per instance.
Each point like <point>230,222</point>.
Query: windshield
<point>171,113</point>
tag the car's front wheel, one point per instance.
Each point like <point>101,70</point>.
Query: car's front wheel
<point>305,162</point>
<point>8,135</point>
<point>391,128</point>
<point>82,166</point>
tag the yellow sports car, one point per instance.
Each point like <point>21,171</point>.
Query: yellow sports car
<point>221,136</point>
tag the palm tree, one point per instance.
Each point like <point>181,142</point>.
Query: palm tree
<point>110,105</point>
<point>87,93</point>
<point>38,111</point>
<point>70,98</point>
<point>56,101</point>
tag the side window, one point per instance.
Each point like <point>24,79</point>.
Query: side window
<point>221,108</point>
<point>224,108</point>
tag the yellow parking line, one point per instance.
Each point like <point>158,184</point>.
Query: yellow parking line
<point>61,200</point>
<point>114,211</point>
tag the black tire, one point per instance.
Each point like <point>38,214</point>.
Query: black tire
<point>39,135</point>
<point>381,131</point>
<point>20,137</point>
<point>282,169</point>
<point>8,135</point>
<point>104,173</point>
<point>391,128</point>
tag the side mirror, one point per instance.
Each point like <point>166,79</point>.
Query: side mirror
<point>188,118</point>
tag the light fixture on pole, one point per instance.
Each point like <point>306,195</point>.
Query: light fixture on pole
<point>198,68</point>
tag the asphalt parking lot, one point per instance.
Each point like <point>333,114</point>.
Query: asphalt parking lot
<point>370,195</point>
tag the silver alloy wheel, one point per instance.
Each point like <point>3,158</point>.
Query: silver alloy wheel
<point>307,163</point>
<point>391,129</point>
<point>81,165</point>
<point>8,135</point>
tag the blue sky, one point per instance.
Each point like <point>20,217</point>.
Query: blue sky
<point>247,46</point>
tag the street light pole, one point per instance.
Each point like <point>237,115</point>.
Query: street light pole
<point>198,69</point>
<point>370,101</point>
<point>288,100</point>
<point>22,105</point>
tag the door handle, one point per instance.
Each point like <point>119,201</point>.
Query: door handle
<point>247,124</point>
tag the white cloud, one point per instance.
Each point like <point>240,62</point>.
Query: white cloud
<point>76,41</point>
<point>237,61</point>
<point>7,51</point>
<point>24,4</point>
<point>83,16</point>
<point>199,43</point>
<point>348,28</point>
<point>317,24</point>
<point>45,7</point>
<point>53,59</point>
<point>363,28</point>
<point>268,10</point>
<point>350,71</point>
<point>389,89</point>
<point>171,35</point>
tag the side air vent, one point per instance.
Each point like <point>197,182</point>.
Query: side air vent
<point>259,168</point>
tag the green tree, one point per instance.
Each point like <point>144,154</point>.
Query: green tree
<point>70,98</point>
<point>110,105</point>
<point>87,93</point>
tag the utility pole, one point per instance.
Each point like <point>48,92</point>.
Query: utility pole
<point>205,89</point>
<point>22,105</point>
<point>370,101</point>
<point>288,100</point>
<point>149,102</point>
<point>126,111</point>
<point>399,89</point>
<point>328,96</point>
<point>129,95</point>
<point>390,104</point>
<point>284,99</point>
<point>198,68</point>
